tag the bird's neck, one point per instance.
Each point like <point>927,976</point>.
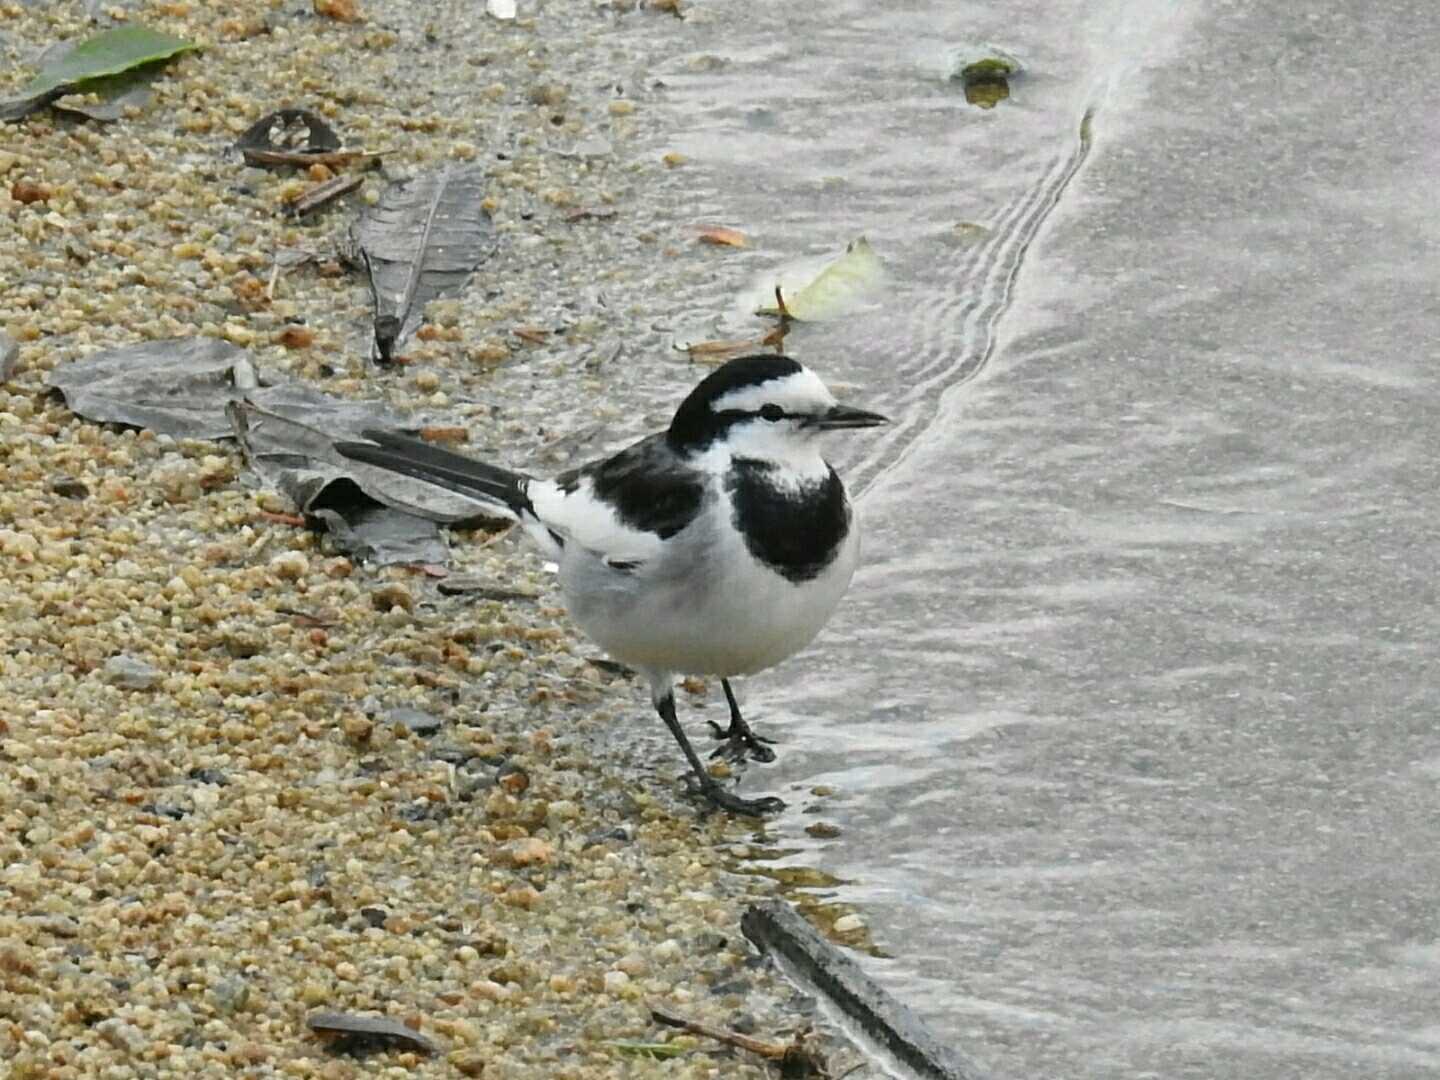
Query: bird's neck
<point>787,461</point>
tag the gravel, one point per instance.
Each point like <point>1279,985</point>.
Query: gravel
<point>207,834</point>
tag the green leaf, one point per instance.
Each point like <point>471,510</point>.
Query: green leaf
<point>108,53</point>
<point>840,288</point>
<point>92,64</point>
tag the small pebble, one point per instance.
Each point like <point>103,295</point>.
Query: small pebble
<point>513,779</point>
<point>9,356</point>
<point>490,990</point>
<point>848,924</point>
<point>633,965</point>
<point>121,1035</point>
<point>290,566</point>
<point>419,723</point>
<point>128,673</point>
<point>531,851</point>
<point>231,995</point>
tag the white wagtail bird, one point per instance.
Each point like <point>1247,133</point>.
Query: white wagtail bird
<point>719,546</point>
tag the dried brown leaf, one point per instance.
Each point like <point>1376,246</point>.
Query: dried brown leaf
<point>717,352</point>
<point>445,434</point>
<point>340,10</point>
<point>720,236</point>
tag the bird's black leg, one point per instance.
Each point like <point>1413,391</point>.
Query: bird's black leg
<point>709,786</point>
<point>739,739</point>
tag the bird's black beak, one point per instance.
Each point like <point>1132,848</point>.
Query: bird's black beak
<point>838,417</point>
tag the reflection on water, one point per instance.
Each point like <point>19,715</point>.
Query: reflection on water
<point>1130,712</point>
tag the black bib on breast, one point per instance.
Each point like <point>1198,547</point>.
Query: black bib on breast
<point>793,531</point>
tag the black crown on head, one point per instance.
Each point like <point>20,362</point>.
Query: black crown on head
<point>696,424</point>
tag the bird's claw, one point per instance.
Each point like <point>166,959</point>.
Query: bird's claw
<point>740,743</point>
<point>722,799</point>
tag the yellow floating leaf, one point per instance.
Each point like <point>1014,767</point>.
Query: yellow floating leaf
<point>841,287</point>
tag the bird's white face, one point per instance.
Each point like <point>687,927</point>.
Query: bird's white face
<point>779,422</point>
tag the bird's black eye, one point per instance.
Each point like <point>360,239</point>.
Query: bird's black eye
<point>773,413</point>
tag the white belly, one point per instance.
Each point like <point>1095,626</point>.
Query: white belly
<point>736,617</point>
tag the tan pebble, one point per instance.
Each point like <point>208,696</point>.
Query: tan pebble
<point>616,981</point>
<point>290,566</point>
<point>488,352</point>
<point>27,191</point>
<point>460,1030</point>
<point>296,337</point>
<point>562,984</point>
<point>237,334</point>
<point>848,924</point>
<point>622,108</point>
<point>339,10</point>
<point>528,852</point>
<point>357,728</point>
<point>18,545</point>
<point>16,960</point>
<point>490,990</point>
<point>251,1053</point>
<point>551,94</point>
<point>426,381</point>
<point>513,779</point>
<point>668,950</point>
<point>347,971</point>
<point>501,805</point>
<point>563,810</point>
<point>120,1035</point>
<point>392,595</point>
<point>521,896</point>
<point>633,965</point>
<point>468,1063</point>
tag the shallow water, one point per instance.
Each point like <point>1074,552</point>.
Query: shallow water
<point>1131,708</point>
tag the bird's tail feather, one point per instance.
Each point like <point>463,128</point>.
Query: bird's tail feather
<point>412,457</point>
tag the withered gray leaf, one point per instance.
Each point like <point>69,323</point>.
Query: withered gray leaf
<point>361,1030</point>
<point>205,388</point>
<point>290,444</point>
<point>290,448</point>
<point>175,386</point>
<point>422,241</point>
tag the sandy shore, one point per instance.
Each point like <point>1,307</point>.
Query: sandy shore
<point>214,822</point>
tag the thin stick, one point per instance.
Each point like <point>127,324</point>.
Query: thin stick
<point>770,1050</point>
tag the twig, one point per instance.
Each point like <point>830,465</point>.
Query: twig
<point>796,1058</point>
<point>321,194</point>
<point>780,304</point>
<point>773,1051</point>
